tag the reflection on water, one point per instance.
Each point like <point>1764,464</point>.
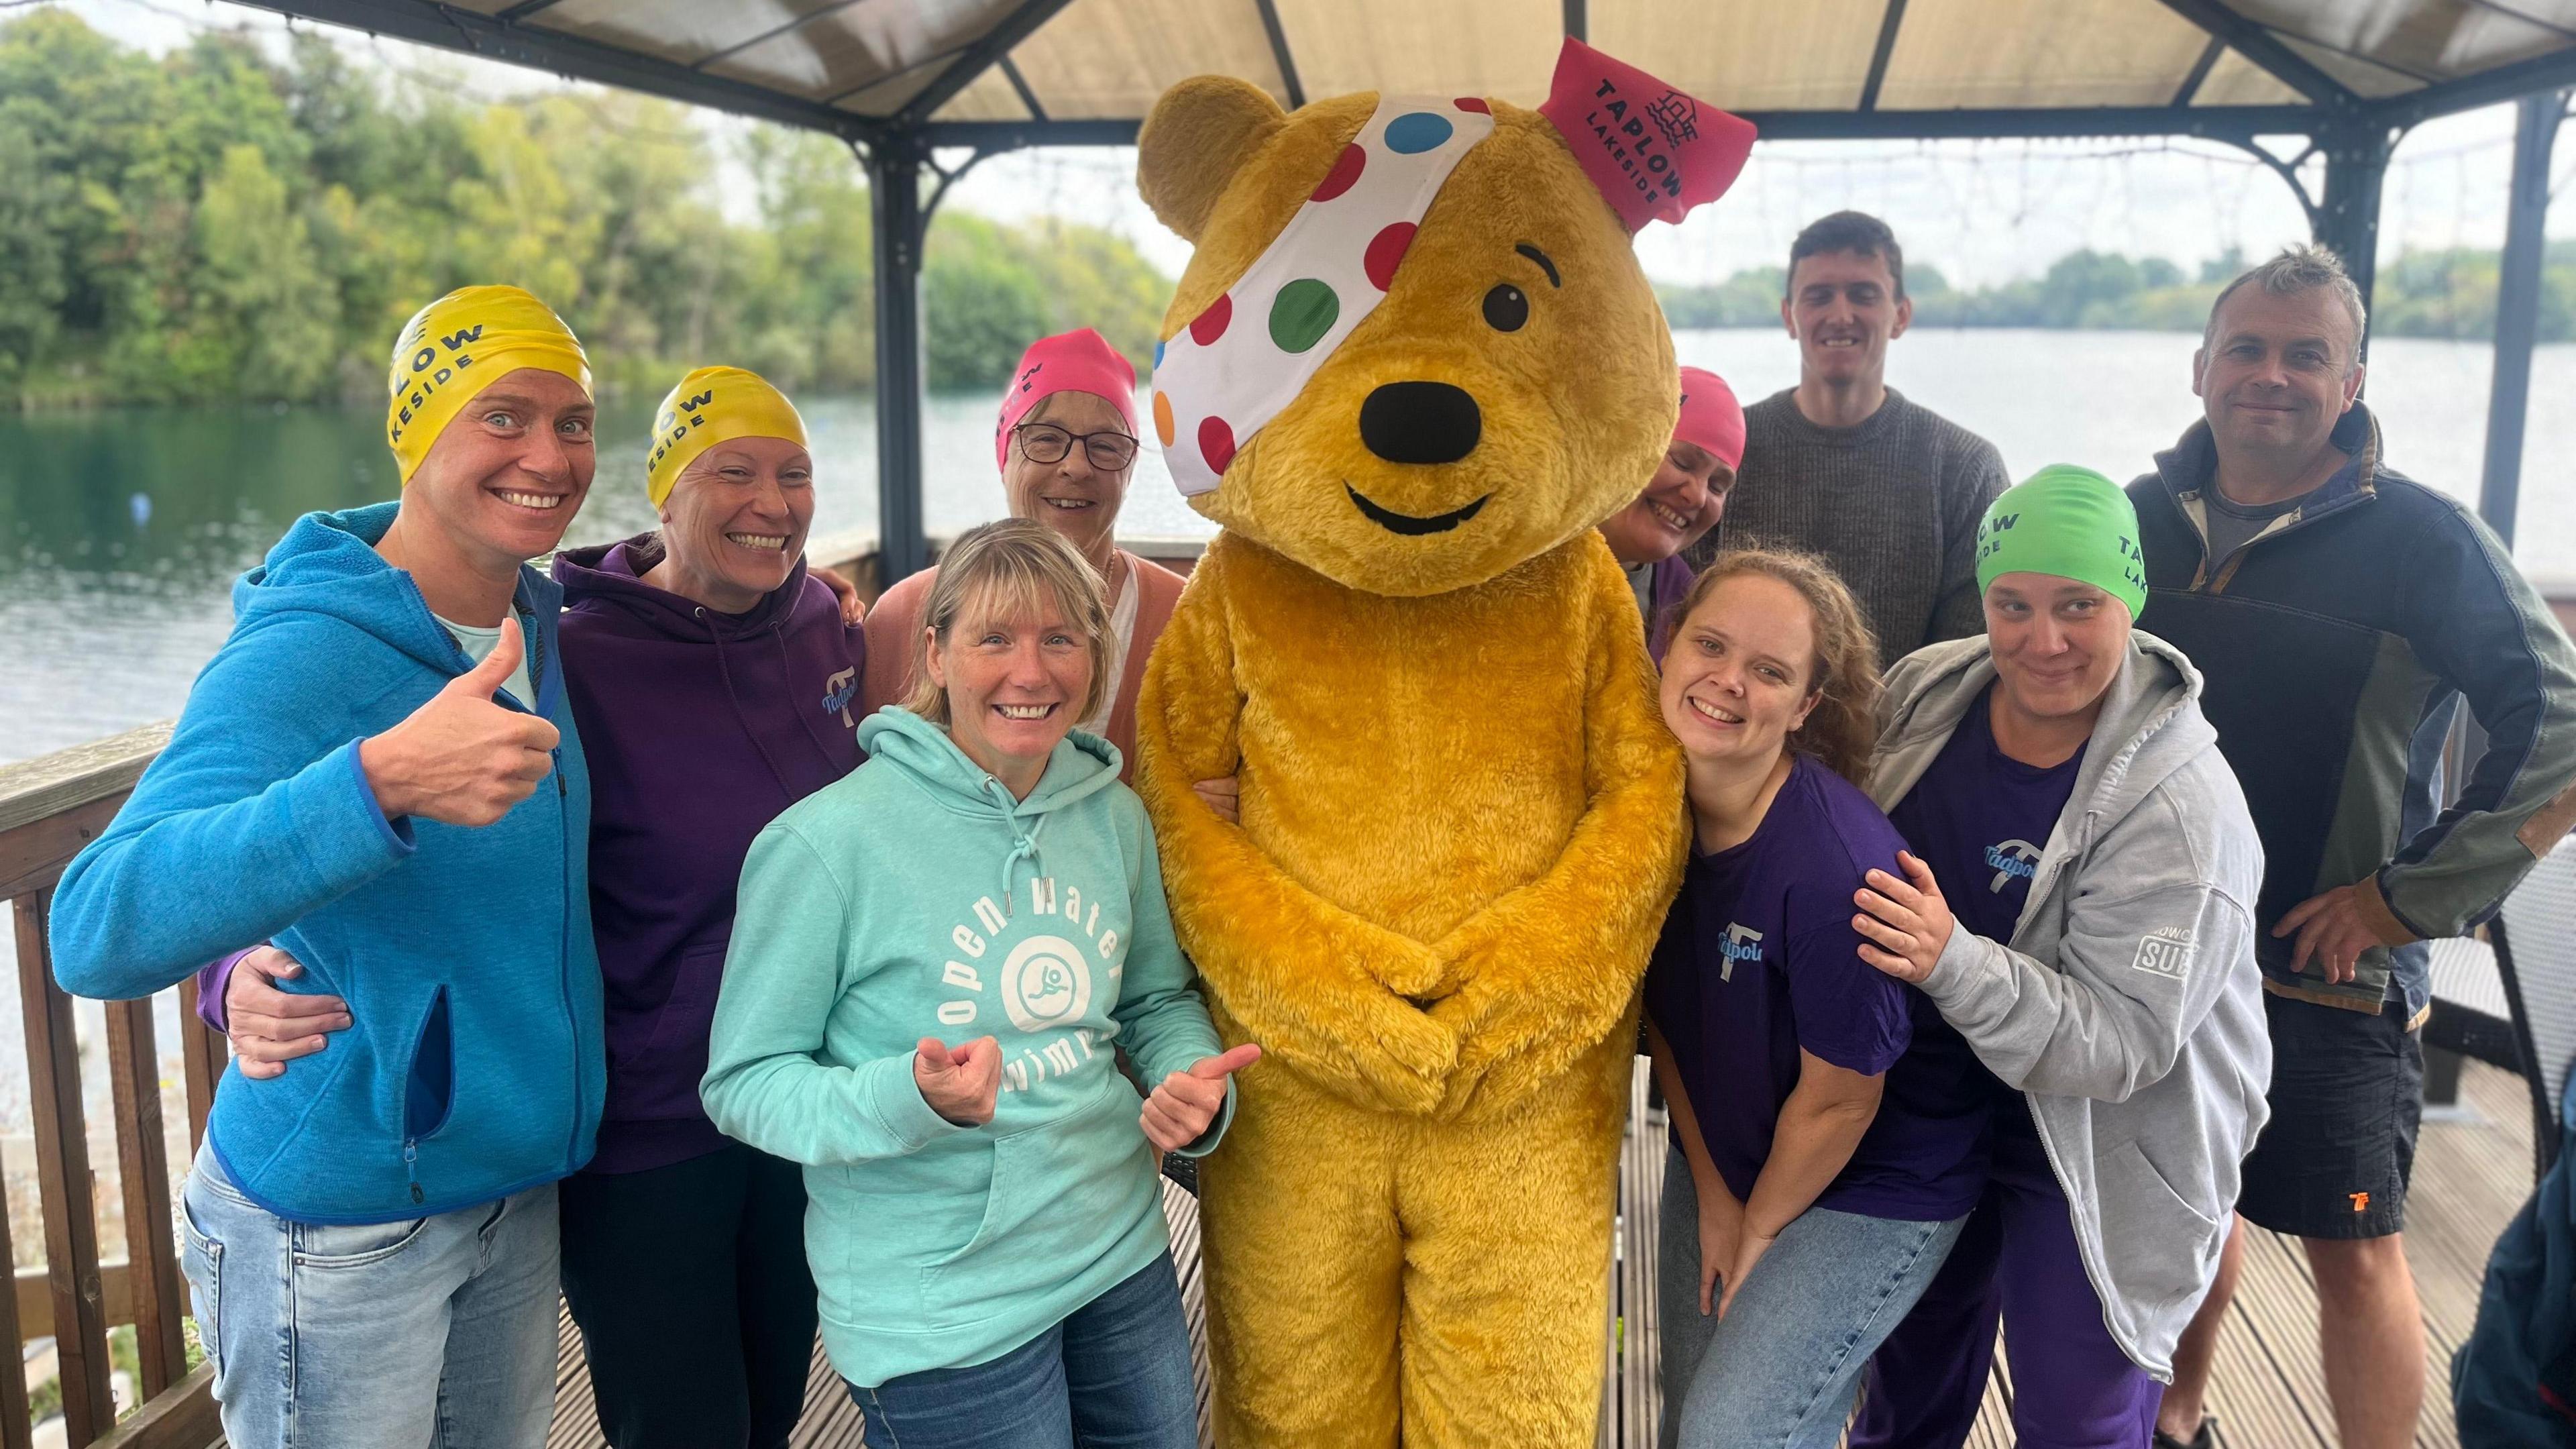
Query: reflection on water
<point>120,534</point>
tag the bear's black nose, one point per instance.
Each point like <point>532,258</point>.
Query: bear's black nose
<point>1420,422</point>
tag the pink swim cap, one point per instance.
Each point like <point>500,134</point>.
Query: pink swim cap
<point>1711,417</point>
<point>1079,361</point>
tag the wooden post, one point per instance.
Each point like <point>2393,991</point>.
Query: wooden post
<point>143,1163</point>
<point>62,1163</point>
<point>187,1417</point>
<point>15,1431</point>
<point>50,807</point>
<point>202,1055</point>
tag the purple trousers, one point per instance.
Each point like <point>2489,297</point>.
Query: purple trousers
<point>2072,1387</point>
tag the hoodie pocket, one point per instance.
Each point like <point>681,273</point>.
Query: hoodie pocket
<point>429,1086</point>
<point>1060,1195</point>
<point>656,1060</point>
<point>2165,1245</point>
<point>680,1028</point>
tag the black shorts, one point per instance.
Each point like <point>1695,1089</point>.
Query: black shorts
<point>2347,1095</point>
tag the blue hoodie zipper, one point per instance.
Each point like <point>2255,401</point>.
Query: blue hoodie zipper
<point>537,665</point>
<point>536,646</point>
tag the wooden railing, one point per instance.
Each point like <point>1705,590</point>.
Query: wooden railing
<point>49,808</point>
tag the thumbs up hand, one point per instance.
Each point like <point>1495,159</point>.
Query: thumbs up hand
<point>1184,1103</point>
<point>460,758</point>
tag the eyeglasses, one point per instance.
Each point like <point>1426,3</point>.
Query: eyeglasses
<point>1046,443</point>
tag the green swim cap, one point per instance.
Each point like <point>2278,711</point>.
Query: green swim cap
<point>2068,521</point>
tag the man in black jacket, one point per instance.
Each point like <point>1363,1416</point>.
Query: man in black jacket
<point>2338,613</point>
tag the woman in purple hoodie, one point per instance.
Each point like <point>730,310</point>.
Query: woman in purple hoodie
<point>714,684</point>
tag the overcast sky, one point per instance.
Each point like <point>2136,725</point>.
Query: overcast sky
<point>1981,211</point>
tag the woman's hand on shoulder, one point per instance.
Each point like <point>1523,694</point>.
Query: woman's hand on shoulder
<point>854,610</point>
<point>961,1084</point>
<point>1184,1103</point>
<point>1908,920</point>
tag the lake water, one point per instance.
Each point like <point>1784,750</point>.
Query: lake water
<point>121,531</point>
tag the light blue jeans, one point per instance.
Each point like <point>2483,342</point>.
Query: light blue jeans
<point>436,1333</point>
<point>1781,1369</point>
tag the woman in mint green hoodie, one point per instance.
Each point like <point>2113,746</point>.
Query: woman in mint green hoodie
<point>985,1227</point>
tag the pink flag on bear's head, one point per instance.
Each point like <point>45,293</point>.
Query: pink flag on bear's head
<point>1654,152</point>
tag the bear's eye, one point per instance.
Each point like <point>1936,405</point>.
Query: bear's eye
<point>1506,308</point>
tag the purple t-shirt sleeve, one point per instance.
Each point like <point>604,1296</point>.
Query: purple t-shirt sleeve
<point>212,979</point>
<point>1846,1011</point>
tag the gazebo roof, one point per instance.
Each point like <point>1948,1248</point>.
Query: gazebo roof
<point>1016,72</point>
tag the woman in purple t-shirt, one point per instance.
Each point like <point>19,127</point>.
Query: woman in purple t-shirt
<point>1821,1165</point>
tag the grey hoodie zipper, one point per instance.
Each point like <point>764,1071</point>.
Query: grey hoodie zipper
<point>2040,885</point>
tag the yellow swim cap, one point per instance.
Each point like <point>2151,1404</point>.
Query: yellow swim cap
<point>710,406</point>
<point>458,345</point>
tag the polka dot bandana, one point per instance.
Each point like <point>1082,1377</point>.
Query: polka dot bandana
<point>1240,361</point>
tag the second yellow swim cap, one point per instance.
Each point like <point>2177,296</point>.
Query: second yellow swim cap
<point>460,344</point>
<point>710,406</point>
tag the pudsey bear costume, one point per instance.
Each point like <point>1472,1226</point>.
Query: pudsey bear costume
<point>1411,365</point>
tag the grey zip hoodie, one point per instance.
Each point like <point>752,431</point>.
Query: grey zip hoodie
<point>2127,1007</point>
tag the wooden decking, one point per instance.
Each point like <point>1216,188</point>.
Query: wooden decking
<point>831,1420</point>
<point>2471,1175</point>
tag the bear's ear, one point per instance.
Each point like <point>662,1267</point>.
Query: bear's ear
<point>1200,133</point>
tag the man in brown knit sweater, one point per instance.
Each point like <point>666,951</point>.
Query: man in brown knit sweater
<point>1843,466</point>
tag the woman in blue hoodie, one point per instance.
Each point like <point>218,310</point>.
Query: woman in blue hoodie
<point>936,965</point>
<point>712,680</point>
<point>377,773</point>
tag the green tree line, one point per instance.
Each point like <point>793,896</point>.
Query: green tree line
<point>2446,293</point>
<point>217,225</point>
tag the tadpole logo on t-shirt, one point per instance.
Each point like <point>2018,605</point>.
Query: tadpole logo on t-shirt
<point>1742,943</point>
<point>2012,860</point>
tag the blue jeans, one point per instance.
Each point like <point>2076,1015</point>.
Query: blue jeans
<point>1781,1369</point>
<point>424,1334</point>
<point>1114,1372</point>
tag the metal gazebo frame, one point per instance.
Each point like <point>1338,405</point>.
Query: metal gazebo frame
<point>2353,134</point>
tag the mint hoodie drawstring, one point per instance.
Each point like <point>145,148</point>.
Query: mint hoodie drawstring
<point>1024,842</point>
